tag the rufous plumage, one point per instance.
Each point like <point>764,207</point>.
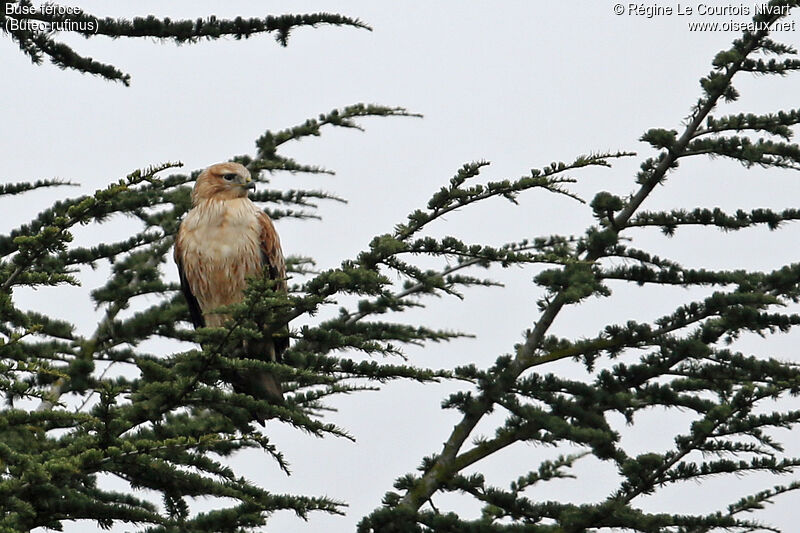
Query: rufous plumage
<point>224,240</point>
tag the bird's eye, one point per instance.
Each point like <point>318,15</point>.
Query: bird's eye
<point>229,177</point>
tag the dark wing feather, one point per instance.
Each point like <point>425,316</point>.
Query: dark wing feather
<point>273,263</point>
<point>194,306</point>
<point>280,337</point>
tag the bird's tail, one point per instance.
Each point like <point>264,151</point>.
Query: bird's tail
<point>259,384</point>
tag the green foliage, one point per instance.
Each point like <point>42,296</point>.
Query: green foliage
<point>681,365</point>
<point>168,424</point>
<point>81,406</point>
<point>30,27</point>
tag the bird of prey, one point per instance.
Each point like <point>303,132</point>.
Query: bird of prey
<point>224,240</point>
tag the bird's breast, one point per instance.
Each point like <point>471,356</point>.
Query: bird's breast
<point>221,244</point>
<point>224,231</point>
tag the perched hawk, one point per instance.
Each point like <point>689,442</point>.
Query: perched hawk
<point>224,240</point>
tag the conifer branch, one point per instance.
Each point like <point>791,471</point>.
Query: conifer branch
<point>717,86</point>
<point>17,188</point>
<point>267,158</point>
<point>170,423</point>
<point>53,236</point>
<point>776,124</point>
<point>454,197</point>
<point>31,28</point>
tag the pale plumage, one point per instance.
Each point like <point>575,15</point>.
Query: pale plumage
<point>224,240</point>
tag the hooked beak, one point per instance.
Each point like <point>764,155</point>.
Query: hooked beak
<point>250,185</point>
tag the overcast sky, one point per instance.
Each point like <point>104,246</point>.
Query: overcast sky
<point>518,83</point>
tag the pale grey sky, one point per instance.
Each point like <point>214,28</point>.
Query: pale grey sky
<point>519,83</point>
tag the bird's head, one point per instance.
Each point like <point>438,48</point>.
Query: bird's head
<point>223,181</point>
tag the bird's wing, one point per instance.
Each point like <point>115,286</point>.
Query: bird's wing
<point>195,312</point>
<point>272,261</point>
<point>271,253</point>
